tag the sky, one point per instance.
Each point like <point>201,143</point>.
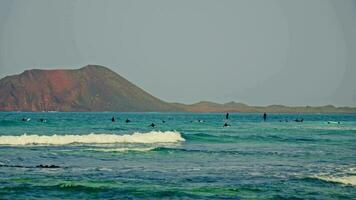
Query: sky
<point>259,52</point>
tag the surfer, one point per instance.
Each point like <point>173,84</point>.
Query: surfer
<point>42,120</point>
<point>113,119</point>
<point>227,125</point>
<point>264,116</point>
<point>299,120</point>
<point>199,120</point>
<point>127,120</point>
<point>152,125</point>
<point>163,121</point>
<point>333,122</point>
<point>25,119</point>
<point>227,116</point>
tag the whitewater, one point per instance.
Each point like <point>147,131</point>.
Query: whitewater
<point>150,137</point>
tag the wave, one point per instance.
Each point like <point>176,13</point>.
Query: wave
<point>147,138</point>
<point>347,180</point>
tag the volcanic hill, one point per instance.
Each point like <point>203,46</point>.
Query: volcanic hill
<point>91,88</point>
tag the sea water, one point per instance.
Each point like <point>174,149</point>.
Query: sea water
<point>185,156</point>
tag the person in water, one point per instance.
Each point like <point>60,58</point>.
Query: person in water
<point>25,119</point>
<point>264,116</point>
<point>227,125</point>
<point>113,119</point>
<point>332,122</point>
<point>299,120</point>
<point>199,120</point>
<point>152,125</point>
<point>127,120</point>
<point>227,116</point>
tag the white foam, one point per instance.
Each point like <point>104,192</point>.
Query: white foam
<point>148,138</point>
<point>347,180</point>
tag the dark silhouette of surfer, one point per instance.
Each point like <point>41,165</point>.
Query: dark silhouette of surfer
<point>226,125</point>
<point>227,116</point>
<point>152,125</point>
<point>127,120</point>
<point>113,119</point>
<point>25,119</point>
<point>299,120</point>
<point>264,116</point>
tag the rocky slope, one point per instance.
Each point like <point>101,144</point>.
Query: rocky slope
<point>91,88</point>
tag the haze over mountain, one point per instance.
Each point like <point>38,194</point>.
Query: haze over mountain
<point>97,88</point>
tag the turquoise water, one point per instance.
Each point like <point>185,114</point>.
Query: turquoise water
<point>180,158</point>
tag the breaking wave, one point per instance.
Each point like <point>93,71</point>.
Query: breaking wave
<point>146,138</point>
<point>347,180</point>
<point>346,177</point>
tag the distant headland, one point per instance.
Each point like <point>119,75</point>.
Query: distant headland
<point>97,88</point>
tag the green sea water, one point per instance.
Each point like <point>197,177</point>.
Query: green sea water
<point>185,156</point>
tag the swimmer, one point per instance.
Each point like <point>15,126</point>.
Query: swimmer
<point>226,125</point>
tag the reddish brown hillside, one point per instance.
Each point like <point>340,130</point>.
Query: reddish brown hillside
<point>91,88</point>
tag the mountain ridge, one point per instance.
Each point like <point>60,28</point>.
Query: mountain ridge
<point>97,88</point>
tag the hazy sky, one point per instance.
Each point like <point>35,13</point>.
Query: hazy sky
<point>260,52</point>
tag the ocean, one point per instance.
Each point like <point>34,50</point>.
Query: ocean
<point>185,156</point>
